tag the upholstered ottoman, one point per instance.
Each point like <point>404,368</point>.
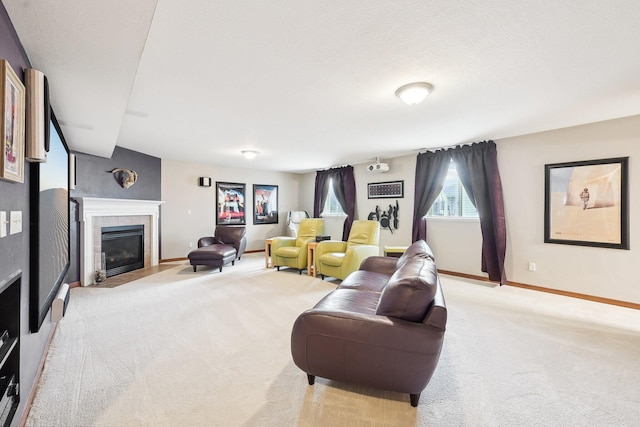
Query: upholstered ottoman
<point>215,255</point>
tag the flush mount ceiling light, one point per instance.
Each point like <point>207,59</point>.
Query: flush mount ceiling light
<point>414,93</point>
<point>250,154</point>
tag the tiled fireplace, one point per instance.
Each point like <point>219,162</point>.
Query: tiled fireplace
<point>96,213</point>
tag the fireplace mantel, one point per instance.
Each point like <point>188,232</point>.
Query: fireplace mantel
<point>92,207</point>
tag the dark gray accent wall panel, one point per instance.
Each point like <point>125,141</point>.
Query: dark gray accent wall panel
<point>14,249</point>
<point>94,180</point>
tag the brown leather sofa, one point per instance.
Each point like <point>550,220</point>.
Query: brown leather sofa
<point>226,245</point>
<point>383,327</point>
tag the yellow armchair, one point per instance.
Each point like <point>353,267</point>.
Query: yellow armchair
<point>339,259</point>
<point>292,251</point>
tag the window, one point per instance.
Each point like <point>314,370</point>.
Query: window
<point>331,204</point>
<point>453,200</point>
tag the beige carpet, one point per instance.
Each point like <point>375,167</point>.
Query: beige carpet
<point>212,349</point>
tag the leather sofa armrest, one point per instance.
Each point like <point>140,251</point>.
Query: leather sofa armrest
<point>436,316</point>
<point>380,264</point>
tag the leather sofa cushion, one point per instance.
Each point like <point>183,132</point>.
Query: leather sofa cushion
<point>418,249</point>
<point>349,300</point>
<point>409,291</point>
<point>369,281</point>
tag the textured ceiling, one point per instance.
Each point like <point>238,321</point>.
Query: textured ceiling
<point>311,84</point>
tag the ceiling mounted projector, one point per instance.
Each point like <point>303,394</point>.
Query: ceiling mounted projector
<point>378,167</point>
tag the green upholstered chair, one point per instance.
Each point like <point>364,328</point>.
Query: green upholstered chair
<point>292,251</point>
<point>338,259</point>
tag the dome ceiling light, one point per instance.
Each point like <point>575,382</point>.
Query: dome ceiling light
<point>250,154</point>
<point>414,93</point>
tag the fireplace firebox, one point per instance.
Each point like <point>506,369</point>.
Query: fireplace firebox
<point>123,247</point>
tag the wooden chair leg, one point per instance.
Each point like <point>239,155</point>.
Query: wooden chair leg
<point>414,399</point>
<point>194,267</point>
<point>311,379</point>
<point>220,269</point>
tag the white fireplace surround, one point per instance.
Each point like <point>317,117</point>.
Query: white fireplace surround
<point>91,208</point>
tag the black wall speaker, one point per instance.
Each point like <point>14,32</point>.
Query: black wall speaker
<point>38,115</point>
<point>204,181</point>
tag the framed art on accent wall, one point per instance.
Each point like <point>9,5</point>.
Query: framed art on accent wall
<point>230,203</point>
<point>12,111</point>
<point>265,204</point>
<point>586,203</point>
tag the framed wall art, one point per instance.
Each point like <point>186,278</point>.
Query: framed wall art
<point>230,203</point>
<point>385,190</point>
<point>12,111</point>
<point>265,204</point>
<point>586,203</point>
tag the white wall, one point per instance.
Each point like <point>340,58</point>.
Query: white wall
<point>609,273</point>
<point>181,193</point>
<point>456,244</point>
<point>400,168</point>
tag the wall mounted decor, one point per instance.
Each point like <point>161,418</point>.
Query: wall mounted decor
<point>265,204</point>
<point>586,203</point>
<point>230,203</point>
<point>385,190</point>
<point>125,177</point>
<point>388,219</point>
<point>12,110</point>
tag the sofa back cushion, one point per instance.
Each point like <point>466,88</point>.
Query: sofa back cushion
<point>418,249</point>
<point>410,290</point>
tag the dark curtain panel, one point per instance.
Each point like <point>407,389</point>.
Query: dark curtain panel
<point>477,166</point>
<point>344,187</point>
<point>321,191</point>
<point>431,170</point>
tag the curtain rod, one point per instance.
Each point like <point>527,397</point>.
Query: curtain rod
<point>448,147</point>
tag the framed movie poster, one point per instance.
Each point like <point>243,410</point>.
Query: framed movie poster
<point>230,203</point>
<point>586,203</point>
<point>265,204</point>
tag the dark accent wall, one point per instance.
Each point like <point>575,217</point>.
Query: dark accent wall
<point>93,179</point>
<point>14,249</point>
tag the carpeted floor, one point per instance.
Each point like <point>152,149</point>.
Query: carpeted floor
<point>180,348</point>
